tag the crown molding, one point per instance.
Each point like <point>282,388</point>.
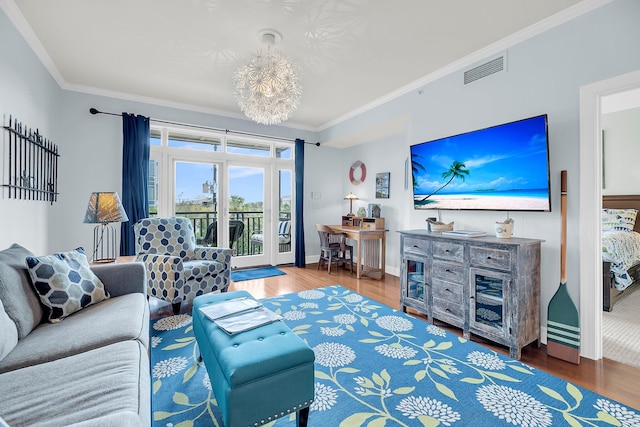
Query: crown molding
<point>585,6</point>
<point>496,48</point>
<point>23,27</point>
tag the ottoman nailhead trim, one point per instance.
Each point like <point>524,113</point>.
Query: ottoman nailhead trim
<point>275,417</point>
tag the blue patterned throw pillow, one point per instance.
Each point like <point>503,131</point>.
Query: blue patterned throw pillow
<point>618,219</point>
<point>65,283</point>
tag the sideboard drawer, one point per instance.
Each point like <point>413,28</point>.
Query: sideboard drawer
<point>447,291</point>
<point>447,311</point>
<point>419,246</point>
<point>490,257</point>
<point>448,271</point>
<point>449,251</point>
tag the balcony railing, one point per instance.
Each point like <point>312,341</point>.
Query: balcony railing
<point>253,224</point>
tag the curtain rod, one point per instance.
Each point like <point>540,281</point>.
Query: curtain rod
<point>227,131</point>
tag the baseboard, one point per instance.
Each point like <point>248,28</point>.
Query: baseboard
<point>394,271</point>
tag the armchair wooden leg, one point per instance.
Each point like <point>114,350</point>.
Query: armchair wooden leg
<point>176,307</point>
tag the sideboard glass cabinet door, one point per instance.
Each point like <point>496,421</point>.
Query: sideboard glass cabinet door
<point>489,302</point>
<point>415,290</point>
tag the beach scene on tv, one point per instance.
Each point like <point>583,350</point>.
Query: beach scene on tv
<point>504,167</point>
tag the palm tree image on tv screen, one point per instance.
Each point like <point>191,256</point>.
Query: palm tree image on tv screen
<point>504,167</point>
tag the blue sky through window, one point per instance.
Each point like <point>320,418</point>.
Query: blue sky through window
<point>246,182</point>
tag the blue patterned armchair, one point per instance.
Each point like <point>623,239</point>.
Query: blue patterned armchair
<point>177,269</point>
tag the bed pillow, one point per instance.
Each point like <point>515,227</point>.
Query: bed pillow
<point>65,283</point>
<point>618,219</point>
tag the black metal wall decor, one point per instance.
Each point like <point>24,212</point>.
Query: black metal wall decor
<point>31,164</point>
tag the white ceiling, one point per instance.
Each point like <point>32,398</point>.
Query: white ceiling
<point>352,54</point>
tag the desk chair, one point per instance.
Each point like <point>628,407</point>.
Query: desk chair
<point>333,248</point>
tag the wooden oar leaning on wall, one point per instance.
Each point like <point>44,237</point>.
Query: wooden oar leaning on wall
<point>563,320</point>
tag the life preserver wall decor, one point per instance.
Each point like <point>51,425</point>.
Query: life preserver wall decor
<point>352,173</point>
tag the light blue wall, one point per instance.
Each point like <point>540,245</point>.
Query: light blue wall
<point>544,75</point>
<point>93,149</point>
<point>28,93</point>
<point>90,146</point>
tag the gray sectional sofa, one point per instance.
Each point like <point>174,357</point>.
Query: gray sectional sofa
<point>91,368</point>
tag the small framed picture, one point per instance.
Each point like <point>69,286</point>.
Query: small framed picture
<point>382,185</point>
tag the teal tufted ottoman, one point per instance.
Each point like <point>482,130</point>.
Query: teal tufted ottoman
<point>257,375</point>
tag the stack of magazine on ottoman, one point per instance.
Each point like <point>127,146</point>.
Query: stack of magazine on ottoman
<point>239,314</point>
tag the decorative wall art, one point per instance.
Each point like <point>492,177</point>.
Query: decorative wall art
<point>357,173</point>
<point>31,164</point>
<point>382,185</point>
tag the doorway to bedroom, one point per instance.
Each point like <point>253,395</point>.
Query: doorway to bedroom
<point>620,124</point>
<point>591,271</point>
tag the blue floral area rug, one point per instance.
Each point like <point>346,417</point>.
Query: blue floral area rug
<point>376,367</point>
<point>255,273</point>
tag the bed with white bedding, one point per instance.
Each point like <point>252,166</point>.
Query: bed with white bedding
<point>620,247</point>
<point>622,250</point>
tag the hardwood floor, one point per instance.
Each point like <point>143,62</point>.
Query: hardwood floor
<point>606,377</point>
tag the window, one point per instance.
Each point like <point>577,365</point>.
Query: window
<point>194,142</point>
<point>249,148</point>
<point>213,179</point>
<point>153,187</point>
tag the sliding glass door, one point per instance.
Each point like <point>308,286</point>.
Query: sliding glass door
<point>196,197</point>
<point>246,200</point>
<point>284,250</point>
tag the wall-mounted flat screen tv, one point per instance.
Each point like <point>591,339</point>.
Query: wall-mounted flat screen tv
<point>502,168</point>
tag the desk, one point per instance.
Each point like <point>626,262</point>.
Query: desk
<point>371,248</point>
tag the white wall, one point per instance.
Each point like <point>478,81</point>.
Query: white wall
<point>621,151</point>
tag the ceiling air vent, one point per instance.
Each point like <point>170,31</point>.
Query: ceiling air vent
<point>481,71</point>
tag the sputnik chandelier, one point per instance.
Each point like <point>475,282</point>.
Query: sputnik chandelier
<point>267,87</point>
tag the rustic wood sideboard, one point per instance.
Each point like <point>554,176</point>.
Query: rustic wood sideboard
<point>486,286</point>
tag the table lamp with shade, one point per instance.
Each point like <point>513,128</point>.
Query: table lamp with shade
<point>104,208</point>
<point>350,197</point>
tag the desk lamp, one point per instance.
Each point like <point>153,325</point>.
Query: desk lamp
<point>104,208</point>
<point>350,197</point>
